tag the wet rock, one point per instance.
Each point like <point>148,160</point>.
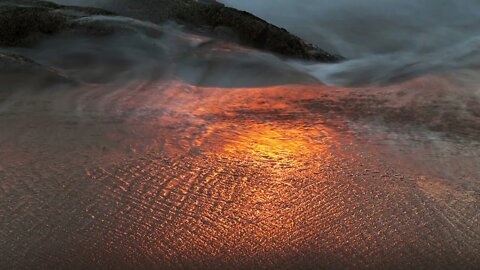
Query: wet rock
<point>257,33</point>
<point>23,23</point>
<point>230,23</point>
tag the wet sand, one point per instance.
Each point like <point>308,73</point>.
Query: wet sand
<point>173,176</point>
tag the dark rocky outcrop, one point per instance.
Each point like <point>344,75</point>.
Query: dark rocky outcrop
<point>24,22</point>
<point>231,23</point>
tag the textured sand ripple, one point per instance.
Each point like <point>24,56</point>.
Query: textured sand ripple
<point>178,177</point>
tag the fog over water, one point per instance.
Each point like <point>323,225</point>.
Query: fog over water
<point>384,40</point>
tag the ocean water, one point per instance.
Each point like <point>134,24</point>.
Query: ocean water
<point>384,41</point>
<point>162,149</point>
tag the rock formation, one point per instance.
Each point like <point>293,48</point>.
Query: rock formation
<point>24,22</point>
<point>213,17</point>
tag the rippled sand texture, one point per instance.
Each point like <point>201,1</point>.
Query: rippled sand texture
<point>172,176</point>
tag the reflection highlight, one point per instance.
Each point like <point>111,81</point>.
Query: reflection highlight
<point>174,176</point>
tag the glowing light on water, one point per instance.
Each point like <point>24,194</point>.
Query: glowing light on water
<point>274,143</point>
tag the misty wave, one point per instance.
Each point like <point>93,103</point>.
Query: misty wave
<point>108,59</point>
<point>400,66</point>
<point>384,41</point>
<point>123,49</point>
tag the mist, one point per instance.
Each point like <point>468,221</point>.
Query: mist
<point>355,29</point>
<point>385,40</point>
<point>120,56</point>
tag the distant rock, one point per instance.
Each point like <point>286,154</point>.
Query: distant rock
<point>211,17</point>
<point>24,22</point>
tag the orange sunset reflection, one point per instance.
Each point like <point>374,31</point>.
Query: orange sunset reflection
<point>195,177</point>
<point>278,144</point>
